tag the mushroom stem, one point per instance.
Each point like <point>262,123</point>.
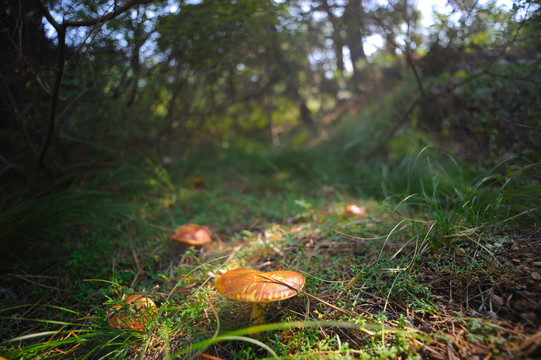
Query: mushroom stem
<point>258,313</point>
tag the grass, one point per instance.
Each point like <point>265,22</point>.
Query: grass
<point>420,275</point>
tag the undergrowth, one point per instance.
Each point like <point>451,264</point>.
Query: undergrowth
<point>392,283</point>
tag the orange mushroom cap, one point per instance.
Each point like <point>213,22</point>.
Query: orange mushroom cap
<point>196,181</point>
<point>192,235</point>
<point>140,311</point>
<point>256,286</point>
<point>354,210</point>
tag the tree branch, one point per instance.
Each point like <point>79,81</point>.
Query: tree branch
<point>108,16</point>
<point>385,138</point>
<point>61,31</point>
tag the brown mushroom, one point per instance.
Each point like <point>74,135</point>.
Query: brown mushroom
<point>353,210</point>
<point>135,314</point>
<point>196,181</point>
<point>259,288</point>
<point>192,235</point>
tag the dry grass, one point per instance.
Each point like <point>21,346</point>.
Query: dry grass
<point>491,313</point>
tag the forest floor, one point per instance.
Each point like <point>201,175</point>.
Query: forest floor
<point>392,282</point>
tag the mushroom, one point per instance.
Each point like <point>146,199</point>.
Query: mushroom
<point>135,314</point>
<point>192,235</point>
<point>353,210</point>
<point>195,181</point>
<point>259,288</point>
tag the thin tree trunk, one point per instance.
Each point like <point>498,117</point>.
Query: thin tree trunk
<point>336,37</point>
<point>353,18</point>
<point>292,85</point>
<point>135,61</point>
<point>411,63</point>
<point>272,126</point>
<point>61,30</point>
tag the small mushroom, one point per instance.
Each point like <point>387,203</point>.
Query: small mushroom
<point>196,181</point>
<point>192,235</point>
<point>259,288</point>
<point>353,210</point>
<point>136,314</point>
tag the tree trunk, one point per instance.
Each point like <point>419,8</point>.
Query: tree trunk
<point>336,36</point>
<point>61,30</point>
<point>291,83</point>
<point>353,19</point>
<point>273,130</point>
<point>138,41</point>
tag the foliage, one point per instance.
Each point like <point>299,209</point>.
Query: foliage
<point>370,267</point>
<point>454,202</point>
<point>262,120</point>
<point>190,72</point>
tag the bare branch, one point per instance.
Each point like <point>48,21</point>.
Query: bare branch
<point>108,16</point>
<point>48,15</point>
<point>61,31</point>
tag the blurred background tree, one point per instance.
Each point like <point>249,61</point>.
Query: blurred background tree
<point>164,76</point>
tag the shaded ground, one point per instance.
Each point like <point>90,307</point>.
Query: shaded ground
<point>393,287</point>
<point>478,303</point>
